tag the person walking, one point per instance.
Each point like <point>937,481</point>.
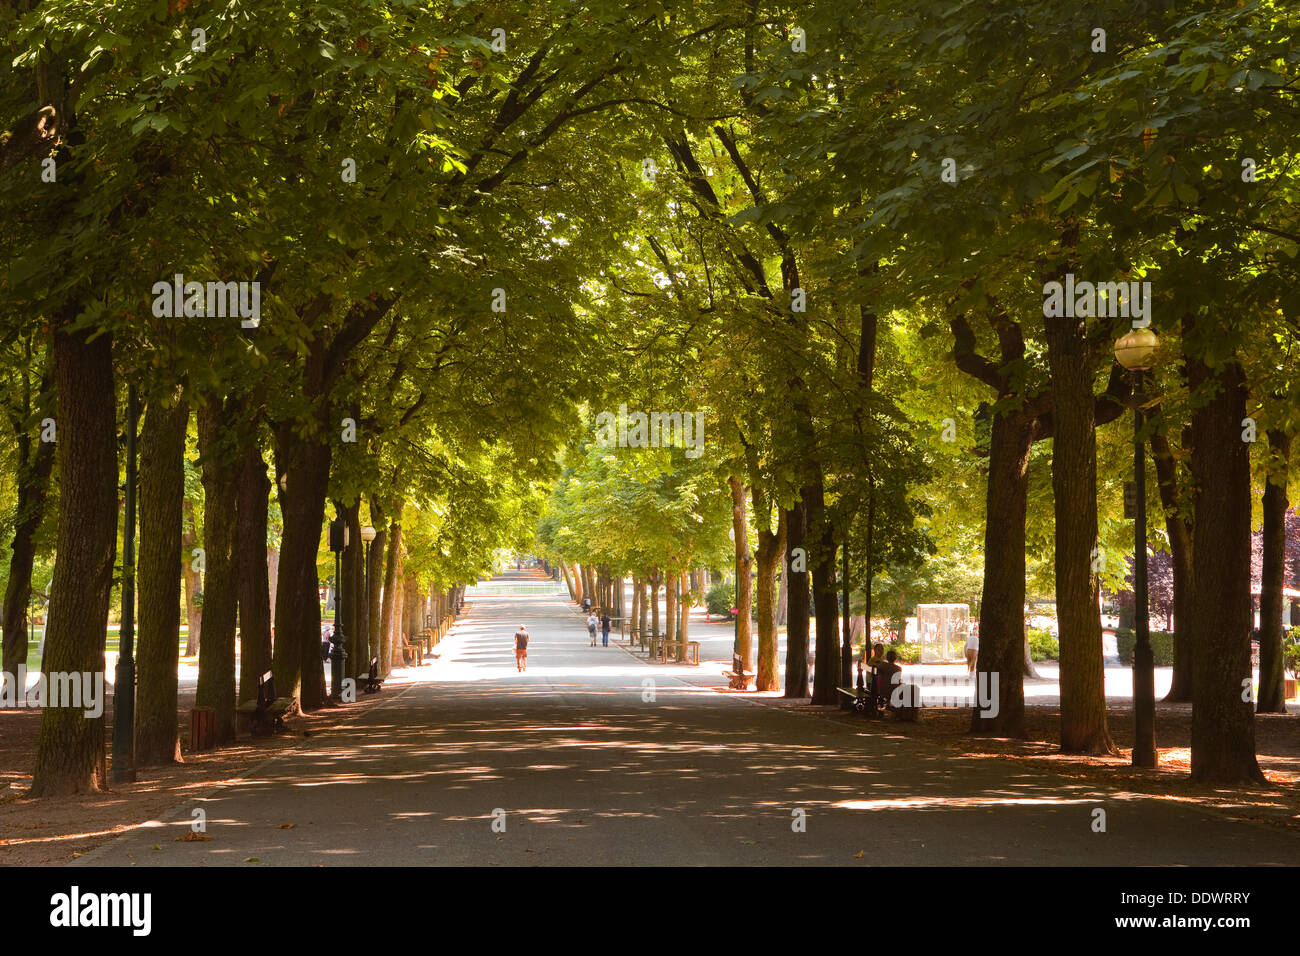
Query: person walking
<point>604,627</point>
<point>972,650</point>
<point>591,627</point>
<point>521,648</point>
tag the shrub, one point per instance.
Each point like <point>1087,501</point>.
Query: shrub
<point>721,598</point>
<point>1292,658</point>
<point>1162,647</point>
<point>1042,646</point>
<point>906,653</point>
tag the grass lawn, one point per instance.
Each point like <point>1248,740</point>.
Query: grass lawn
<point>34,657</point>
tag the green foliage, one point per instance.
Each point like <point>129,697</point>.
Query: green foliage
<point>906,653</point>
<point>1162,647</point>
<point>1042,646</point>
<point>721,598</point>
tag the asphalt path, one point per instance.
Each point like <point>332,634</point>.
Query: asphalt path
<point>595,757</point>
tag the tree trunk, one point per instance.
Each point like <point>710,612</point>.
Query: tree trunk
<point>253,584</point>
<point>303,467</point>
<point>352,588</point>
<point>654,603</point>
<point>1074,489</point>
<point>568,582</point>
<point>411,604</point>
<point>1179,531</point>
<point>827,671</point>
<point>162,491</point>
<point>34,466</point>
<point>70,755</point>
<point>578,590</point>
<point>643,610</point>
<point>374,600</point>
<point>273,575</point>
<point>670,607</point>
<point>1002,600</point>
<point>744,568</point>
<point>783,588</point>
<point>1272,690</point>
<point>193,581</point>
<point>1223,720</point>
<point>390,608</point>
<point>1031,670</point>
<point>771,546</point>
<point>796,632</point>
<point>684,628</point>
<point>216,687</point>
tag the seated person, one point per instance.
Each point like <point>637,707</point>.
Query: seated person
<point>902,698</point>
<point>888,674</point>
<point>874,664</point>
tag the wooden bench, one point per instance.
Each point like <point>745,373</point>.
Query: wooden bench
<point>738,681</point>
<point>372,681</point>
<point>862,700</point>
<point>266,714</point>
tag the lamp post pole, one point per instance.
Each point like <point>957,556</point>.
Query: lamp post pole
<point>1144,673</point>
<point>338,541</point>
<point>123,770</point>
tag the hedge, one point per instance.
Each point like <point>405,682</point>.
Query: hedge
<point>1162,647</point>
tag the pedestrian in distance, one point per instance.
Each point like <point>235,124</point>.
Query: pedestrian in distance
<point>591,627</point>
<point>972,650</point>
<point>604,627</point>
<point>521,648</point>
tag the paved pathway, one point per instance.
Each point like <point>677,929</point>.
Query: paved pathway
<point>583,768</point>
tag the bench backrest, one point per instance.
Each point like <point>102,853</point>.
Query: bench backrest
<point>266,689</point>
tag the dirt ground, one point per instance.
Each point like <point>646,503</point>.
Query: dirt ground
<point>1277,747</point>
<point>59,829</point>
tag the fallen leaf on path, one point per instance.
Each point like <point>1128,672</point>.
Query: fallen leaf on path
<point>287,826</point>
<point>193,837</point>
<point>858,855</point>
<point>252,859</point>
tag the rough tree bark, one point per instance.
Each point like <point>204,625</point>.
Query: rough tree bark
<point>162,491</point>
<point>826,674</point>
<point>1272,690</point>
<point>352,588</point>
<point>216,687</point>
<point>303,466</point>
<point>253,583</point>
<point>374,600</point>
<point>744,568</point>
<point>193,581</point>
<point>1074,488</point>
<point>771,546</point>
<point>391,576</point>
<point>70,755</point>
<point>1223,720</point>
<point>796,631</point>
<point>1179,531</point>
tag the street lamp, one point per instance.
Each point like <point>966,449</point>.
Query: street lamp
<point>1136,351</point>
<point>338,543</point>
